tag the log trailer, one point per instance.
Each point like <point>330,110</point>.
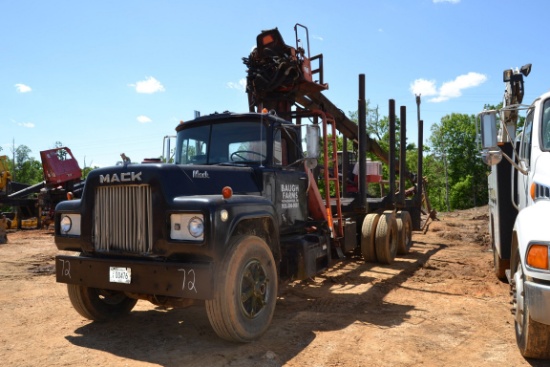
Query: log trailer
<point>519,205</point>
<point>238,212</point>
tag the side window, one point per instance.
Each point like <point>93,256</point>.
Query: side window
<point>193,152</point>
<point>278,149</point>
<point>525,150</point>
<point>286,147</point>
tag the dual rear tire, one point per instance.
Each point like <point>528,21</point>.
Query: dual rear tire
<point>385,235</point>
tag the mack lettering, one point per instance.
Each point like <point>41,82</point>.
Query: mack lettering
<point>124,177</point>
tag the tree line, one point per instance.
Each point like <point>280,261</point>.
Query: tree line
<point>454,174</point>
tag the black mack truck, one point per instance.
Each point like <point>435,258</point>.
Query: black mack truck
<point>220,225</point>
<point>244,205</point>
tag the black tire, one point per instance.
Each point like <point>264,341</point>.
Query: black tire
<point>246,291</point>
<point>98,304</point>
<point>404,232</point>
<point>368,231</point>
<point>386,238</point>
<point>499,265</point>
<point>532,337</point>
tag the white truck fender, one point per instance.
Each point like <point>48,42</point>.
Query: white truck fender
<point>532,225</point>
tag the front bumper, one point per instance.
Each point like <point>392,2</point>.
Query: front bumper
<point>538,301</point>
<point>181,280</point>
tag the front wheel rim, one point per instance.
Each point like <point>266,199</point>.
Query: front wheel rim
<point>254,289</point>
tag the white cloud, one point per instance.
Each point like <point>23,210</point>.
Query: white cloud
<point>423,87</point>
<point>142,119</point>
<point>240,85</point>
<point>22,88</point>
<point>318,38</point>
<point>448,90</point>
<point>28,125</point>
<point>446,1</point>
<point>149,85</point>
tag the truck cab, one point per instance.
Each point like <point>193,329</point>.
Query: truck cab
<point>519,205</point>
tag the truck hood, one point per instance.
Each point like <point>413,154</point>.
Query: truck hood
<point>179,180</point>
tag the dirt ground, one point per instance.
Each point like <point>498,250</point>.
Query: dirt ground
<point>440,305</point>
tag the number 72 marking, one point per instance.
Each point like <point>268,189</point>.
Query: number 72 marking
<point>189,279</point>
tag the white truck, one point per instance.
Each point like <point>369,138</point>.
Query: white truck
<point>519,207</point>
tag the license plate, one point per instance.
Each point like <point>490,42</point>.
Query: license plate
<point>120,275</point>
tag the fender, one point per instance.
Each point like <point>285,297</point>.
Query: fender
<point>240,208</point>
<point>531,225</point>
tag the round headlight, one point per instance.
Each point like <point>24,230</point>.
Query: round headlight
<point>195,227</point>
<point>66,224</point>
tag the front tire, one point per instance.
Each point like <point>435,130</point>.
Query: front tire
<point>246,291</point>
<point>99,304</point>
<point>533,338</point>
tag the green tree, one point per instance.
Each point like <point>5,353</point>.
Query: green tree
<point>433,171</point>
<point>454,142</point>
<point>27,169</point>
<point>87,169</point>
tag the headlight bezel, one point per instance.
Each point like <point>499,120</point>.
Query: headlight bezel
<point>69,224</point>
<point>187,226</point>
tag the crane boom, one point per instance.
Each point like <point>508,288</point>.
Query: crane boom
<point>281,76</point>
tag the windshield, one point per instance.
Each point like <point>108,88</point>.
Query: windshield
<point>546,125</point>
<point>227,142</point>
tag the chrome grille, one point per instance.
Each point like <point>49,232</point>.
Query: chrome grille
<point>123,219</point>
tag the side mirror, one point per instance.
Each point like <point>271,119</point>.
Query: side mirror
<point>488,129</point>
<point>491,156</point>
<point>491,153</point>
<point>312,145</point>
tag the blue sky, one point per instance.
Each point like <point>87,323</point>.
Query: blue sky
<point>106,77</point>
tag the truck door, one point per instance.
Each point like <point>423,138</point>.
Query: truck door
<point>524,161</point>
<point>290,181</point>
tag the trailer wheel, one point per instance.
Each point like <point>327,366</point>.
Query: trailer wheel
<point>368,231</point>
<point>404,232</point>
<point>533,338</point>
<point>386,238</point>
<point>99,304</point>
<point>245,291</point>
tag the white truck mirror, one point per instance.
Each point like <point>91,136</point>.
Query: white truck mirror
<point>491,156</point>
<point>491,153</point>
<point>488,129</point>
<point>312,145</point>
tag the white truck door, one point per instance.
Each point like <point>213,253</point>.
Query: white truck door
<point>524,161</point>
